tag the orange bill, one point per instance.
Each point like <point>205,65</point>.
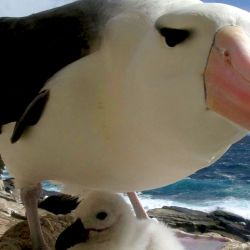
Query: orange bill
<point>227,75</point>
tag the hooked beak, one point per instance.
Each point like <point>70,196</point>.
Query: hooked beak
<point>72,235</point>
<point>227,75</point>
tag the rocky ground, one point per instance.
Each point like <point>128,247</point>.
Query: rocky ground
<point>196,222</point>
<point>217,225</point>
<point>229,228</point>
<point>14,232</point>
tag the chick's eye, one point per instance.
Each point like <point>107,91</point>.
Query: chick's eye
<point>174,37</point>
<point>101,215</point>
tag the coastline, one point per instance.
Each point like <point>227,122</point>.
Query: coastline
<point>14,234</point>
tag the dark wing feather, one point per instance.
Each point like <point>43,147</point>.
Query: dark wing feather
<point>31,115</point>
<point>35,47</point>
<point>59,204</point>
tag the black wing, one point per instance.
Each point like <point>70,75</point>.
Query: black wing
<point>35,47</point>
<point>60,204</point>
<point>31,115</point>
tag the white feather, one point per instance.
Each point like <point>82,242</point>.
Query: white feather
<point>132,115</point>
<point>124,230</point>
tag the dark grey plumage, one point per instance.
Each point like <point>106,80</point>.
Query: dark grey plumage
<point>59,204</point>
<point>31,115</point>
<point>35,47</point>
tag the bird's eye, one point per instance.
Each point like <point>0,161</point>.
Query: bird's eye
<point>174,37</point>
<point>101,215</point>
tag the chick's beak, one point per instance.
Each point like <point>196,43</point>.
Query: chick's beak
<point>72,235</point>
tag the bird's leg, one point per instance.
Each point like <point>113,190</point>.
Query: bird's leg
<point>138,208</point>
<point>30,196</point>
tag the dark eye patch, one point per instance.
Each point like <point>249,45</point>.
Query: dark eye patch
<point>101,215</point>
<point>174,37</point>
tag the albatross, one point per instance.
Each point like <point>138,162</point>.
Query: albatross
<point>164,93</point>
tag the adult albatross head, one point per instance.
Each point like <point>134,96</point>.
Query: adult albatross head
<point>148,107</point>
<point>188,90</point>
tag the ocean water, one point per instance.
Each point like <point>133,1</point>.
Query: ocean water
<point>224,185</point>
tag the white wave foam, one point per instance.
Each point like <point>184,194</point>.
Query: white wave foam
<point>229,204</point>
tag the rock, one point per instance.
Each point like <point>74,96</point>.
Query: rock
<point>232,223</point>
<point>2,165</point>
<point>8,185</point>
<point>18,236</point>
<point>235,245</point>
<point>14,231</point>
<point>8,207</point>
<point>1,185</point>
<point>192,221</point>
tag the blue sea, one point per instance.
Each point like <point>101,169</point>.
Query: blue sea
<point>224,185</point>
